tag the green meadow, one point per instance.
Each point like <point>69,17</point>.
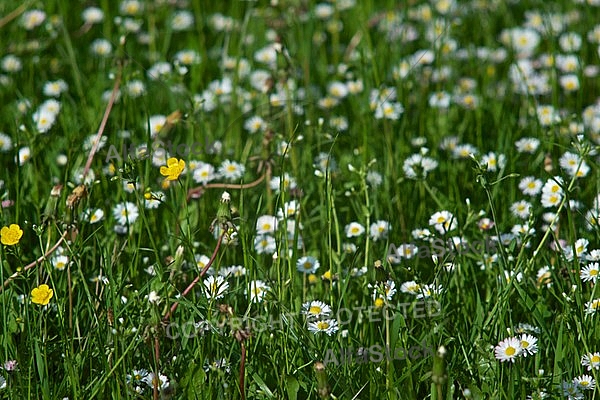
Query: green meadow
<point>291,199</point>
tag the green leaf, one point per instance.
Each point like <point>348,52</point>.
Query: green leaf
<point>292,387</point>
<point>193,382</point>
<point>263,386</point>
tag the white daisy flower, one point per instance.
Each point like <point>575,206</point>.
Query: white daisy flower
<point>530,186</point>
<point>125,213</point>
<point>508,349</point>
<point>182,20</point>
<point>101,47</point>
<point>11,63</point>
<point>308,264</point>
<point>592,307</point>
<point>289,209</point>
<point>590,272</point>
<point>60,262</point>
<point>5,142</point>
<point>231,170</point>
<point>427,291</point>
<point>571,391</point>
<point>258,289</point>
<point>316,309</point>
<point>32,19</point>
<point>527,145</point>
<point>329,326</point>
<point>254,124</point>
<point>266,224</point>
<point>265,244</point>
<point>585,382</point>
<point>235,271</point>
<point>591,361</point>
<point>55,88</point>
<point>521,209</point>
<point>443,221</point>
<point>204,173</point>
<point>379,230</point>
<point>411,287</point>
<point>215,287</point>
<point>354,229</point>
<point>44,120</point>
<point>528,344</point>
<point>92,15</point>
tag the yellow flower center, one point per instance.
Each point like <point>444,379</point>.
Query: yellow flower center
<point>322,325</point>
<point>510,351</point>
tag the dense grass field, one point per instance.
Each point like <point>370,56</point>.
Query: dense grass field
<point>290,199</point>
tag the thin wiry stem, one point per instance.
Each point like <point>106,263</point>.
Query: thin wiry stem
<point>111,102</point>
<point>199,189</point>
<point>195,281</point>
<point>36,262</point>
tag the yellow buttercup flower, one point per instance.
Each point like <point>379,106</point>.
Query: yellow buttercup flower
<point>10,235</point>
<point>41,294</point>
<point>173,169</point>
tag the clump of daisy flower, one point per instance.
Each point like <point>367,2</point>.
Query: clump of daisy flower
<point>508,349</point>
<point>511,348</point>
<point>215,287</point>
<point>308,264</point>
<point>257,289</point>
<point>316,309</point>
<point>328,326</point>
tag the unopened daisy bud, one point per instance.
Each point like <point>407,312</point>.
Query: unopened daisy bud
<point>225,197</point>
<point>50,210</point>
<point>177,261</point>
<point>322,384</point>
<point>438,375</point>
<point>224,211</point>
<point>61,160</point>
<point>434,258</point>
